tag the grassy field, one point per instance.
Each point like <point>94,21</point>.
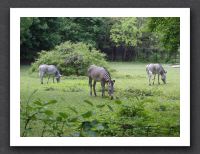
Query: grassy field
<point>136,110</point>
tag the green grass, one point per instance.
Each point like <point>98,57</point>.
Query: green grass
<point>160,103</point>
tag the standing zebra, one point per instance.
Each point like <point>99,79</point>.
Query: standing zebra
<point>153,69</point>
<point>100,74</point>
<point>50,70</point>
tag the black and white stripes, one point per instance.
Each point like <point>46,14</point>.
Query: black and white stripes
<point>107,77</point>
<point>100,74</point>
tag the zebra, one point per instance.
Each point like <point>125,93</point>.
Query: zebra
<point>50,70</point>
<point>153,69</point>
<point>100,74</point>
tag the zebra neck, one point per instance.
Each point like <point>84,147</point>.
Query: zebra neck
<point>107,77</point>
<point>56,73</point>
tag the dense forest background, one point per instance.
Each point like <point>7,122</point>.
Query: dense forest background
<point>155,39</point>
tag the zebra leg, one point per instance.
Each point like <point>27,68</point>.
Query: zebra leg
<point>90,84</point>
<point>158,79</point>
<point>103,88</point>
<point>94,85</point>
<point>41,75</point>
<point>41,80</point>
<point>154,78</point>
<point>149,75</point>
<point>48,79</point>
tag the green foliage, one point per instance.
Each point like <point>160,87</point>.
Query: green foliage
<point>167,30</point>
<point>31,112</point>
<point>71,58</point>
<point>135,119</point>
<point>87,30</point>
<point>133,110</point>
<point>88,102</point>
<point>24,30</point>
<point>73,109</point>
<point>56,125</point>
<point>44,33</point>
<point>125,32</point>
<point>159,35</point>
<point>87,114</point>
<point>118,102</point>
<point>38,34</point>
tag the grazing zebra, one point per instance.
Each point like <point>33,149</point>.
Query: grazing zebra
<point>50,70</point>
<point>102,75</point>
<point>153,69</point>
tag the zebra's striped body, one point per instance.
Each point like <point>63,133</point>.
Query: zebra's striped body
<point>153,69</point>
<point>100,74</point>
<point>49,70</point>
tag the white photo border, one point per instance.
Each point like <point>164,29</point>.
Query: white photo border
<point>16,13</point>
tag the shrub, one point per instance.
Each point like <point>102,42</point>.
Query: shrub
<point>71,58</point>
<point>133,110</point>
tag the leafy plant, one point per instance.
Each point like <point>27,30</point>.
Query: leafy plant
<point>30,112</point>
<point>71,58</point>
<point>128,120</point>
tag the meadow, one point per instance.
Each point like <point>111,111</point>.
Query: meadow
<point>136,110</point>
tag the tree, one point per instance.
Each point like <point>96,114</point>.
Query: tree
<point>25,36</point>
<point>24,30</point>
<point>44,33</point>
<point>38,34</point>
<point>167,30</point>
<point>125,32</point>
<point>137,37</point>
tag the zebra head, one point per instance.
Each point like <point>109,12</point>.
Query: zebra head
<point>58,76</point>
<point>163,76</point>
<point>111,88</point>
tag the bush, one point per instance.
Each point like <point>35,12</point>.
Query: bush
<point>133,110</point>
<point>71,58</point>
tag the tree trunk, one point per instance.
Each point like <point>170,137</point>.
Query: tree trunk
<point>136,53</point>
<point>113,53</point>
<point>125,52</point>
<point>175,56</point>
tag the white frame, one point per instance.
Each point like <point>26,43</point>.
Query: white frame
<point>16,140</point>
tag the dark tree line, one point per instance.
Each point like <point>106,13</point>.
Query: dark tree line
<point>123,39</point>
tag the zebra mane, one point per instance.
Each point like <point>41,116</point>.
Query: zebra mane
<point>107,72</point>
<point>162,70</point>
